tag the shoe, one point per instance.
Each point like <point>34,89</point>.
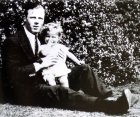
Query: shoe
<point>128,95</point>
<point>125,101</point>
<point>131,98</point>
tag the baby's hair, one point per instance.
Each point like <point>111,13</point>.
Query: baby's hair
<point>55,25</point>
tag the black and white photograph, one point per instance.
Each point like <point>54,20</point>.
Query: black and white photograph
<point>69,58</point>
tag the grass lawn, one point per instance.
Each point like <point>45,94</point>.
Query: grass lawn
<point>8,110</point>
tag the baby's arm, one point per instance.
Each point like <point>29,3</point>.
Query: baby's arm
<point>74,58</point>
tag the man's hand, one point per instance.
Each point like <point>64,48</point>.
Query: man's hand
<point>61,54</point>
<point>48,61</point>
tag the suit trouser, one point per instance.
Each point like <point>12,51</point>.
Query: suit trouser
<point>81,78</point>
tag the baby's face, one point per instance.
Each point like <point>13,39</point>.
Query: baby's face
<point>53,39</point>
<point>55,30</point>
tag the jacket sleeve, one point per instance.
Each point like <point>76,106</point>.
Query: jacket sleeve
<point>16,69</point>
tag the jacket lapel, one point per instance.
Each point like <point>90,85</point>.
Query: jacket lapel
<point>25,44</point>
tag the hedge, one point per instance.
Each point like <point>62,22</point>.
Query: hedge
<point>105,34</point>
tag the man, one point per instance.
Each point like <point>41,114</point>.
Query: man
<point>22,68</point>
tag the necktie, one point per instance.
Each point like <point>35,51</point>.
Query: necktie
<point>38,59</point>
<point>36,46</point>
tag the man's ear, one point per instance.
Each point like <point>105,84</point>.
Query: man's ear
<point>24,19</point>
<point>46,40</point>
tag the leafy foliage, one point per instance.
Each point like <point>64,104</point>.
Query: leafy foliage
<point>105,34</point>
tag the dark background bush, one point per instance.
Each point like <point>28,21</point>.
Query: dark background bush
<point>105,34</point>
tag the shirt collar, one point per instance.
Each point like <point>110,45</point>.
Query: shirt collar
<point>29,35</point>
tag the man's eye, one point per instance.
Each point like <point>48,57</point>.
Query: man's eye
<point>53,37</point>
<point>40,18</point>
<point>32,17</point>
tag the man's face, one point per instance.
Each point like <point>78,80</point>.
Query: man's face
<point>35,19</point>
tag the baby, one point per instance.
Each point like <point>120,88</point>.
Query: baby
<point>57,73</point>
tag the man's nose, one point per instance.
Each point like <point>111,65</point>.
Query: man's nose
<point>36,22</point>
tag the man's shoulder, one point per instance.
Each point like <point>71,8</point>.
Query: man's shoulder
<point>15,37</point>
<point>17,34</point>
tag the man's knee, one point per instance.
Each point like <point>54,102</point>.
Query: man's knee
<point>85,67</point>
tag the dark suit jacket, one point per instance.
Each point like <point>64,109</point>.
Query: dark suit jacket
<point>18,69</point>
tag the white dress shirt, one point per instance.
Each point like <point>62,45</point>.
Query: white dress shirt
<point>31,38</point>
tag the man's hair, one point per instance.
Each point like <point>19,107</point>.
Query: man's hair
<point>31,5</point>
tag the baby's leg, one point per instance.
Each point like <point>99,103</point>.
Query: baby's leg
<point>50,79</point>
<point>64,81</point>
